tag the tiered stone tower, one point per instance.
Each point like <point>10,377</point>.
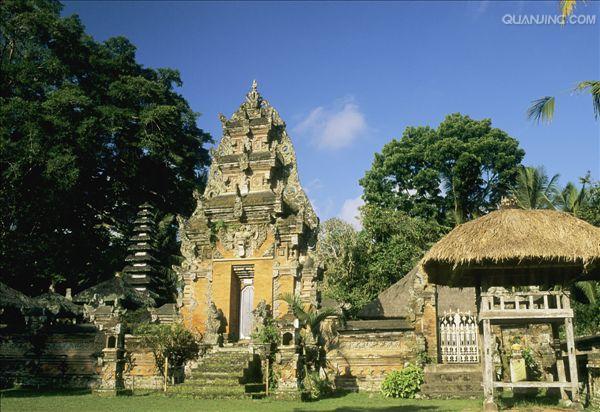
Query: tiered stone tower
<point>140,272</point>
<point>253,230</point>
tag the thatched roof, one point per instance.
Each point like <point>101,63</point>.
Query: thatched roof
<point>13,299</point>
<point>394,302</point>
<point>517,247</point>
<point>114,289</point>
<point>59,305</point>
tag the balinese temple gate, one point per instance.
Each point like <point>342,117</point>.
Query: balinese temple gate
<point>251,235</point>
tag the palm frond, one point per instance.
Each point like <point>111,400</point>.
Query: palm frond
<point>589,289</point>
<point>594,87</point>
<point>541,110</point>
<point>567,7</point>
<point>295,304</point>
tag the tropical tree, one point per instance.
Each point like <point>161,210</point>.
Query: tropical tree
<point>87,134</point>
<point>533,188</point>
<point>308,316</point>
<point>450,174</point>
<point>570,199</point>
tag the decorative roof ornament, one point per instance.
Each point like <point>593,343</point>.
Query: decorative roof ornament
<point>509,202</point>
<point>253,98</point>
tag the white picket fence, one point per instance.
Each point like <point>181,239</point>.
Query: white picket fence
<point>459,338</point>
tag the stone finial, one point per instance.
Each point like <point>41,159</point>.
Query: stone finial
<point>253,98</point>
<point>508,202</point>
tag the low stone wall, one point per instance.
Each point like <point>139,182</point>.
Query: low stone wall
<point>363,354</point>
<point>67,357</point>
<point>139,367</point>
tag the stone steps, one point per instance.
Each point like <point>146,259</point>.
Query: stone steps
<point>230,372</point>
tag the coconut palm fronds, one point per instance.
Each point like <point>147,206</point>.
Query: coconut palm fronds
<point>541,110</point>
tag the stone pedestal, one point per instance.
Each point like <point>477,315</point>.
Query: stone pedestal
<point>285,367</point>
<point>111,383</point>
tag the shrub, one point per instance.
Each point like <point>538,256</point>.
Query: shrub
<point>172,341</point>
<point>315,387</point>
<point>267,333</point>
<point>404,383</point>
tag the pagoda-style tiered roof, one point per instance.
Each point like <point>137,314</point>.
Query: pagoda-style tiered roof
<point>140,268</point>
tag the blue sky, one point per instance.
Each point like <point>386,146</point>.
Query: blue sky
<point>349,76</point>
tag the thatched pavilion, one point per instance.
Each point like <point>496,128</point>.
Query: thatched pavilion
<point>513,247</point>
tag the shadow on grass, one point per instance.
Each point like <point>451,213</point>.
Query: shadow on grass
<point>36,393</point>
<point>403,408</point>
<point>524,401</point>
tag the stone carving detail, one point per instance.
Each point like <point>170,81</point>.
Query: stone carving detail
<point>244,240</point>
<point>213,325</point>
<point>260,315</point>
<point>270,252</point>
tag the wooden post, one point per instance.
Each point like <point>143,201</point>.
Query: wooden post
<point>267,379</point>
<point>572,359</point>
<point>488,368</point>
<point>166,371</point>
<point>560,363</point>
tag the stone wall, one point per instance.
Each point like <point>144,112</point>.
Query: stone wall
<point>139,367</point>
<point>69,358</point>
<point>362,355</point>
<point>537,337</point>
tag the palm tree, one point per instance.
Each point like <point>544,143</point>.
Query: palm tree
<point>308,315</point>
<point>533,188</point>
<point>569,199</point>
<point>542,109</point>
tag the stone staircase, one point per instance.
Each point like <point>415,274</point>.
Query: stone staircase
<point>229,372</point>
<point>448,381</point>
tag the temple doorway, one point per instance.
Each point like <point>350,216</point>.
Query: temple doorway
<point>245,276</point>
<point>246,300</point>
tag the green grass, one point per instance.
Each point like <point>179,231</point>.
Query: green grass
<point>80,401</point>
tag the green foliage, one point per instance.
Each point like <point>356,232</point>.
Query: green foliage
<point>534,371</point>
<point>132,319</point>
<point>450,174</point>
<point>359,265</point>
<point>533,188</point>
<point>267,333</point>
<point>405,383</point>
<point>586,307</point>
<point>542,109</point>
<point>87,134</point>
<point>172,341</point>
<point>315,387</point>
<point>308,316</point>
<point>590,209</point>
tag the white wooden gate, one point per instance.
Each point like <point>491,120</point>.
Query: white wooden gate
<point>459,338</point>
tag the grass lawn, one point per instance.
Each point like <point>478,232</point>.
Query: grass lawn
<point>32,401</point>
<point>83,401</point>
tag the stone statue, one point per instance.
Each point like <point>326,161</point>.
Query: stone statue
<point>213,325</point>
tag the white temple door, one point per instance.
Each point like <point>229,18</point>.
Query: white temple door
<point>246,300</point>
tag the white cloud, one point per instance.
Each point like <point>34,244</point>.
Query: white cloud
<point>334,127</point>
<point>350,212</point>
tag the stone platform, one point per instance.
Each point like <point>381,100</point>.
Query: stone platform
<point>453,381</point>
